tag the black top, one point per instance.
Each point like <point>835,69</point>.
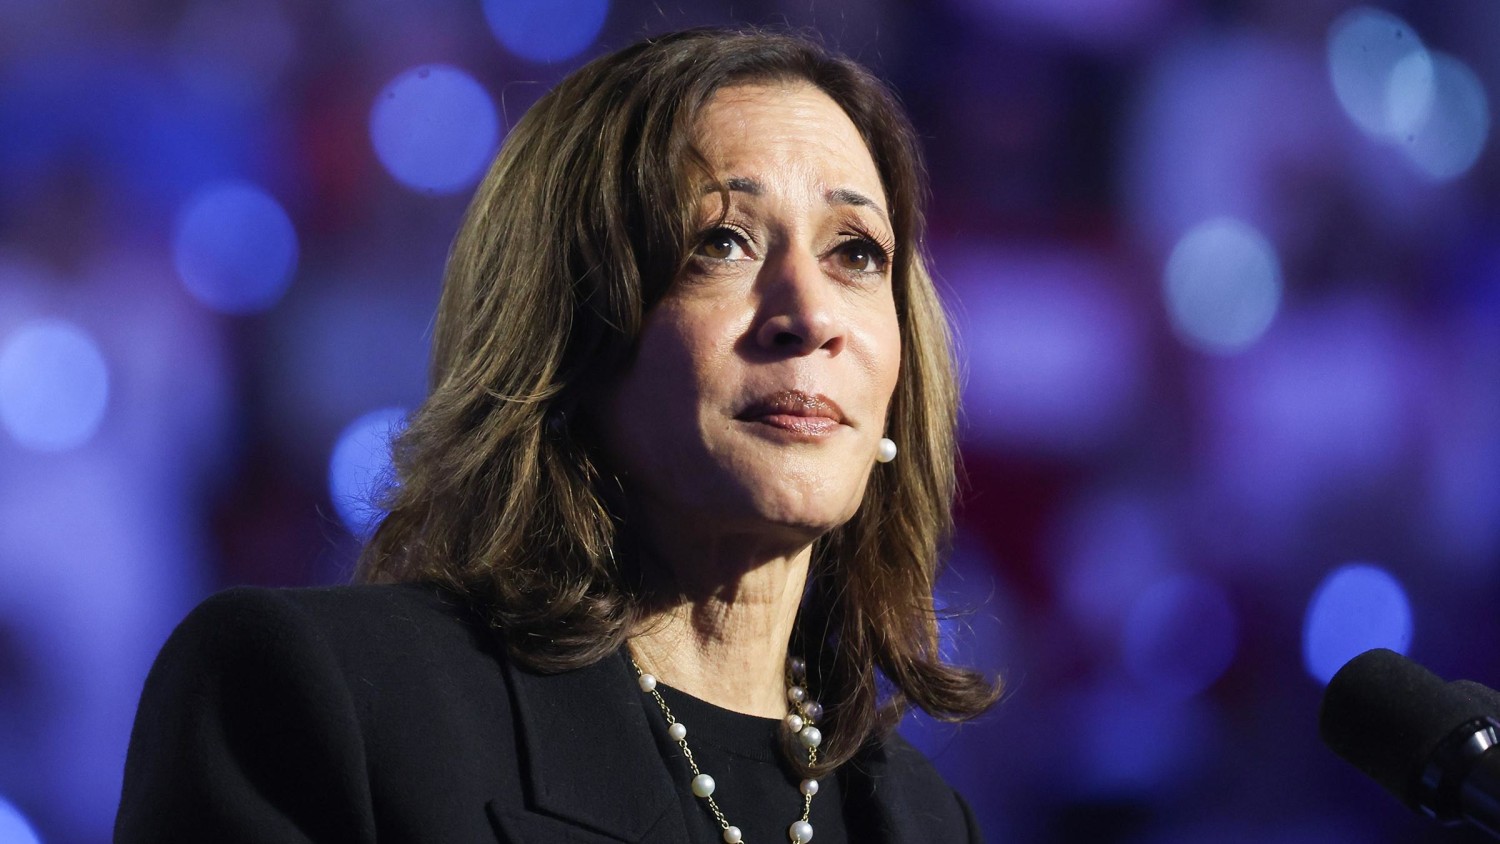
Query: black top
<point>391,713</point>
<point>754,787</point>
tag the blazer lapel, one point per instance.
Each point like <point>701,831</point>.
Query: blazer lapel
<point>591,755</point>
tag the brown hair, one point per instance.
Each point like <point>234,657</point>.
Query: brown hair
<point>579,226</point>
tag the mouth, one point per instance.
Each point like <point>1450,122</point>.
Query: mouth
<point>795,412</point>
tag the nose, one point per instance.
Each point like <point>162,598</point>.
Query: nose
<point>798,307</point>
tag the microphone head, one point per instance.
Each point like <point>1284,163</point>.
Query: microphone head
<point>1388,715</point>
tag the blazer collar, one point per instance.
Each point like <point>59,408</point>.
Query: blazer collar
<point>591,754</point>
<point>593,761</point>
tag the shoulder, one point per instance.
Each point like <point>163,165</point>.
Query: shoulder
<point>271,714</point>
<point>360,629</point>
<point>909,796</point>
<point>369,607</point>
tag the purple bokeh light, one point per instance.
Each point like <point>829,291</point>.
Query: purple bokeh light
<point>1055,355</point>
<point>1181,635</point>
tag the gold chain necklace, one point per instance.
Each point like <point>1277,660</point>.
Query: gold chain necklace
<point>805,712</point>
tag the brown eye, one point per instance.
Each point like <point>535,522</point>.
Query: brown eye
<point>861,256</point>
<point>721,245</point>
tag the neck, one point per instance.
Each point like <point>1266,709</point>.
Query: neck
<point>723,621</point>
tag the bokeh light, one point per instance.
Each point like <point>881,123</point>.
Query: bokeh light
<point>1221,127</point>
<point>546,30</point>
<point>1054,352</point>
<point>1457,124</point>
<point>14,828</point>
<point>1222,285</point>
<point>235,248</point>
<point>1381,72</point>
<point>1126,742</point>
<point>1318,412</point>
<point>1110,547</point>
<point>54,385</point>
<point>360,471</point>
<point>1357,607</point>
<point>434,128</point>
<point>1180,635</point>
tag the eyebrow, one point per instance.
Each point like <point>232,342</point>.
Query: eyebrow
<point>845,196</point>
<point>837,196</point>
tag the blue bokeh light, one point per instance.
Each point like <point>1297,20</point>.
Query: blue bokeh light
<point>360,471</point>
<point>235,248</point>
<point>1111,546</point>
<point>1124,742</point>
<point>1454,130</point>
<point>14,828</point>
<point>1357,607</point>
<point>54,386</point>
<point>1381,73</point>
<point>1180,635</point>
<point>1222,285</point>
<point>546,30</point>
<point>434,128</point>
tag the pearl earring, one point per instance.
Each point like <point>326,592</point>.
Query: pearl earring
<point>886,452</point>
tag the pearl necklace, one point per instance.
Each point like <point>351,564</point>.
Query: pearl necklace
<point>805,712</point>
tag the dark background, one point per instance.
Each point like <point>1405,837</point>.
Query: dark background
<point>1226,274</point>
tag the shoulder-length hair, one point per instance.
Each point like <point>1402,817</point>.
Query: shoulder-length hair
<point>580,225</point>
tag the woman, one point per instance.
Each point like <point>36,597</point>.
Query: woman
<point>641,568</point>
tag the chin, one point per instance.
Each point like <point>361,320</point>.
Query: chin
<point>808,513</point>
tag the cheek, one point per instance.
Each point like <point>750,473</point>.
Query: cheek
<point>655,407</point>
<point>883,361</point>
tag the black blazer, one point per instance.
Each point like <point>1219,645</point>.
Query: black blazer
<point>351,713</point>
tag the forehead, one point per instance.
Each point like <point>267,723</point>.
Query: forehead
<point>788,134</point>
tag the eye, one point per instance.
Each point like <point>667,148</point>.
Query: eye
<point>721,244</point>
<point>862,256</point>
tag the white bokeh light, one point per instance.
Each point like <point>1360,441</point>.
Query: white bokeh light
<point>1456,126</point>
<point>1222,285</point>
<point>54,386</point>
<point>1381,72</point>
<point>14,827</point>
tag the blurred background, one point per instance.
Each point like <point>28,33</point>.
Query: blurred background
<point>1226,275</point>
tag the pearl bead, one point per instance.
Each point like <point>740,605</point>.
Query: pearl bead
<point>703,785</point>
<point>811,736</point>
<point>886,451</point>
<point>647,681</point>
<point>796,694</point>
<point>732,835</point>
<point>677,731</point>
<point>809,787</point>
<point>794,722</point>
<point>812,710</point>
<point>801,832</point>
<point>799,668</point>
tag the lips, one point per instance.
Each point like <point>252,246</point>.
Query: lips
<point>796,412</point>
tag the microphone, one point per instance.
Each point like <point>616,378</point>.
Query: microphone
<point>1428,742</point>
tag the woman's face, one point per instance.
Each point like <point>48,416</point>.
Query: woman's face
<point>760,386</point>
